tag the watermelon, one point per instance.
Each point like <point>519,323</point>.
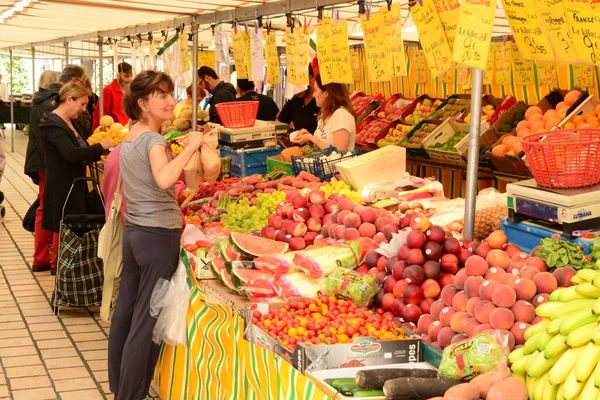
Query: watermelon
<point>226,278</point>
<point>257,246</point>
<point>217,265</point>
<point>259,287</point>
<point>273,264</point>
<point>246,275</point>
<point>231,265</point>
<point>226,250</point>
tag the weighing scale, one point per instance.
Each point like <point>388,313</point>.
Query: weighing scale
<point>567,210</point>
<point>247,138</point>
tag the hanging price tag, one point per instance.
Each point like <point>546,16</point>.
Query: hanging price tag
<point>420,66</point>
<point>448,11</point>
<point>206,58</point>
<point>474,32</point>
<point>257,54</point>
<point>448,76</point>
<point>184,52</point>
<point>394,44</point>
<point>432,37</point>
<point>503,72</point>
<point>554,20</point>
<point>522,68</point>
<point>355,58</point>
<point>463,76</point>
<point>546,73</point>
<point>221,55</point>
<point>239,55</point>
<point>272,58</point>
<point>375,46</point>
<point>247,53</point>
<point>528,31</point>
<point>302,61</point>
<point>290,57</point>
<point>334,52</point>
<point>488,73</point>
<point>583,19</point>
<point>583,76</point>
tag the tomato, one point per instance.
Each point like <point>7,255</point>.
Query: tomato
<point>256,314</point>
<point>293,340</point>
<point>293,332</point>
<point>351,331</point>
<point>311,334</point>
<point>312,307</point>
<point>314,340</point>
<point>343,338</point>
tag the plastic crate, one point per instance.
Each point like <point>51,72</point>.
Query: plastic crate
<point>276,163</point>
<point>320,167</point>
<point>246,162</point>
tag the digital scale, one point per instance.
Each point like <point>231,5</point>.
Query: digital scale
<point>568,210</point>
<point>248,138</point>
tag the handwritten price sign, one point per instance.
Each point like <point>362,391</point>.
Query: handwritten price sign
<point>375,46</point>
<point>206,58</point>
<point>463,76</point>
<point>502,57</point>
<point>247,54</point>
<point>272,58</point>
<point>355,58</point>
<point>448,11</point>
<point>583,19</point>
<point>394,44</point>
<point>488,73</point>
<point>334,52</point>
<point>474,32</point>
<point>554,21</point>
<point>546,73</point>
<point>583,75</point>
<point>528,31</point>
<point>290,57</point>
<point>239,55</point>
<point>522,68</point>
<point>420,66</point>
<point>432,37</point>
<point>448,76</point>
<point>302,61</point>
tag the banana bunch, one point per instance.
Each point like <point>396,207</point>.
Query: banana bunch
<point>561,356</point>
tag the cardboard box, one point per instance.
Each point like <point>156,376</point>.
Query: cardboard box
<point>512,165</point>
<point>385,164</point>
<point>588,104</point>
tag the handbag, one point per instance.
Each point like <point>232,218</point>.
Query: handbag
<point>110,249</point>
<point>29,219</point>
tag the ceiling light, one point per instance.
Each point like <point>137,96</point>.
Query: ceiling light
<point>17,8</point>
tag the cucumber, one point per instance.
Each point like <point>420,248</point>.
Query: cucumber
<point>376,378</point>
<point>347,389</point>
<point>341,381</point>
<point>368,393</point>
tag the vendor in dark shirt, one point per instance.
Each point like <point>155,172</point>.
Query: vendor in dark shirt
<point>301,111</point>
<point>267,109</point>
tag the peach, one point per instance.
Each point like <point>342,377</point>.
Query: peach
<point>341,216</point>
<point>415,256</point>
<point>446,315</point>
<point>380,238</point>
<point>483,250</point>
<point>459,337</point>
<point>471,305</point>
<point>509,279</point>
<point>390,229</point>
<point>367,230</point>
<point>368,214</point>
<point>449,263</point>
<point>316,210</point>
<point>411,313</point>
<point>424,322</point>
<point>419,222</point>
<point>457,321</point>
<point>563,276</point>
<point>498,258</point>
<point>351,234</point>
<point>518,331</point>
<point>512,249</point>
<point>470,326</point>
<point>426,305</point>
<point>446,279</point>
<point>476,266</point>
<point>487,289</point>
<point>381,223</point>
<point>502,318</point>
<point>525,289</point>
<point>352,220</point>
<point>445,336</point>
<point>528,272</point>
<point>451,246</point>
<point>497,240</point>
<point>399,288</point>
<point>459,302</point>
<point>346,204</point>
<point>545,282</point>
<point>538,263</point>
<point>299,200</point>
<point>436,309</point>
<point>338,234</point>
<point>523,311</point>
<point>433,270</point>
<point>472,285</point>
<point>504,296</point>
<point>519,257</point>
<point>447,294</point>
<point>494,274</point>
<point>483,310</point>
<point>483,328</point>
<point>540,299</point>
<point>515,267</point>
<point>431,289</point>
<point>413,294</point>
<point>460,278</point>
<point>434,330</point>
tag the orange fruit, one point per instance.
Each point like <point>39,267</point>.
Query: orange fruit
<point>581,124</point>
<point>535,117</point>
<point>562,112</point>
<point>560,105</point>
<point>589,120</point>
<point>533,110</point>
<point>522,125</point>
<point>577,119</point>
<point>499,150</point>
<point>597,110</point>
<point>572,97</point>
<point>569,125</point>
<point>518,147</point>
<point>537,125</point>
<point>549,114</point>
<point>588,115</point>
<point>594,124</point>
<point>552,122</point>
<point>510,142</point>
<point>541,131</point>
<point>523,133</point>
<point>511,153</point>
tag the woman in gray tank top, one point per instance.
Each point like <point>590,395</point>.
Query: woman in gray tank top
<point>152,233</point>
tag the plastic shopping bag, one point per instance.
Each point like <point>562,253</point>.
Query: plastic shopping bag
<point>170,302</point>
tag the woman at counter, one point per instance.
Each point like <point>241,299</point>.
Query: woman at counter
<point>337,121</point>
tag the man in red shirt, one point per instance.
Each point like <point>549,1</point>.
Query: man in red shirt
<point>113,97</point>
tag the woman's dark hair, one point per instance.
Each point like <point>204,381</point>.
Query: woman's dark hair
<point>143,86</point>
<point>338,97</point>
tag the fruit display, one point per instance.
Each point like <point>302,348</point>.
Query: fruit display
<point>497,384</point>
<point>416,140</point>
<point>537,121</point>
<point>561,355</point>
<point>395,135</point>
<point>108,130</point>
<point>176,149</point>
<point>422,111</point>
<point>247,216</point>
<point>342,188</point>
<point>325,320</point>
<point>452,109</point>
<point>296,151</point>
<point>359,103</point>
<point>510,125</point>
<point>370,132</point>
<point>393,110</point>
<point>449,144</point>
<point>485,113</point>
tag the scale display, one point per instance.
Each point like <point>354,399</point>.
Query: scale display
<point>537,210</point>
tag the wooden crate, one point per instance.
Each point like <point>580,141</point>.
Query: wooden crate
<point>378,165</point>
<point>512,165</point>
<point>441,135</point>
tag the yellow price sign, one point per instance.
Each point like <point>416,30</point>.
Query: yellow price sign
<point>432,37</point>
<point>527,28</point>
<point>583,76</point>
<point>546,73</point>
<point>272,58</point>
<point>184,52</point>
<point>420,66</point>
<point>522,68</point>
<point>488,73</point>
<point>206,58</point>
<point>334,52</point>
<point>503,73</point>
<point>463,76</point>
<point>448,11</point>
<point>583,19</point>
<point>355,57</point>
<point>239,55</point>
<point>247,54</point>
<point>554,20</point>
<point>375,46</point>
<point>448,76</point>
<point>302,39</point>
<point>474,32</point>
<point>394,44</point>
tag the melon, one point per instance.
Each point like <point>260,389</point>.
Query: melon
<point>107,121</point>
<point>257,246</point>
<point>226,279</point>
<point>230,266</point>
<point>259,287</point>
<point>116,127</point>
<point>226,250</point>
<point>217,265</point>
<point>246,275</point>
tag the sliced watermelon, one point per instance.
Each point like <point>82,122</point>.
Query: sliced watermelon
<point>231,265</point>
<point>226,278</point>
<point>217,265</point>
<point>273,264</point>
<point>227,251</point>
<point>259,287</point>
<point>246,275</point>
<point>257,246</point>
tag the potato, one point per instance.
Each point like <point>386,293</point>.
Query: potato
<point>511,388</point>
<point>484,382</point>
<point>464,391</point>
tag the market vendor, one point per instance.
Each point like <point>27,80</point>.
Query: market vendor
<point>222,92</point>
<point>337,121</point>
<point>267,109</point>
<point>113,96</point>
<point>302,111</point>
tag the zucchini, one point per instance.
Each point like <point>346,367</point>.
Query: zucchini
<point>368,393</point>
<point>417,388</point>
<point>341,381</point>
<point>348,388</point>
<point>376,378</point>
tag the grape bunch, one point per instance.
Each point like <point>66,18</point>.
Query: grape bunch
<point>341,187</point>
<point>242,216</point>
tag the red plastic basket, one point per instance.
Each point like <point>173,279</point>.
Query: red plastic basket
<point>237,114</point>
<point>564,159</point>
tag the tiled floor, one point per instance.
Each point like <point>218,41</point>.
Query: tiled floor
<point>41,356</point>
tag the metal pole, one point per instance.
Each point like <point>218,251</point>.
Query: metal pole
<point>33,69</point>
<point>100,77</point>
<point>66,53</point>
<point>473,162</point>
<point>194,75</point>
<point>12,106</point>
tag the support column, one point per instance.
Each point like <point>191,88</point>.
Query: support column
<point>33,85</point>
<point>100,77</point>
<point>12,105</point>
<point>194,75</point>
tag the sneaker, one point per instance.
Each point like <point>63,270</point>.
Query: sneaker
<point>40,268</point>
